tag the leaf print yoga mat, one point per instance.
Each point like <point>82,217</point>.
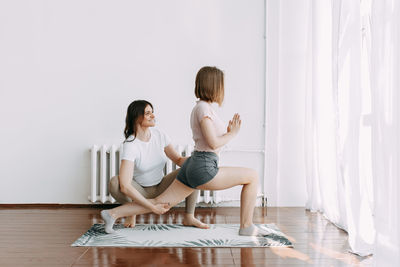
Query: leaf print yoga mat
<point>176,235</point>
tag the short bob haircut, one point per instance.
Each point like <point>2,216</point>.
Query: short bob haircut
<point>210,85</point>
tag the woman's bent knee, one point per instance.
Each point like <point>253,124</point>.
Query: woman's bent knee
<point>253,176</point>
<point>114,184</point>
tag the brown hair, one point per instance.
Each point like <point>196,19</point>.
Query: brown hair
<point>134,112</point>
<point>210,85</point>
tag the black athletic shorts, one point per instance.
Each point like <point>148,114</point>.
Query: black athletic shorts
<point>198,169</point>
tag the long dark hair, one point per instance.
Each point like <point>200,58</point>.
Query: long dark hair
<point>135,110</point>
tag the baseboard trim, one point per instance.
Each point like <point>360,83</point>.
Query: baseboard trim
<point>109,205</point>
<point>55,206</point>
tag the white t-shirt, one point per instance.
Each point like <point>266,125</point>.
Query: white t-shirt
<point>149,157</point>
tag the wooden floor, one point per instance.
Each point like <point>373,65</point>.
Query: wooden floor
<point>42,237</point>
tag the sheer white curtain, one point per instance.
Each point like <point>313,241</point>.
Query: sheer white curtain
<point>352,117</point>
<point>385,77</point>
<point>338,128</point>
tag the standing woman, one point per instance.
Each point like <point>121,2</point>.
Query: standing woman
<point>201,171</point>
<point>145,152</point>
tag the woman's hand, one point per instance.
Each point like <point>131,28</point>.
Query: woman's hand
<point>173,155</point>
<point>234,124</point>
<point>209,133</point>
<point>160,208</point>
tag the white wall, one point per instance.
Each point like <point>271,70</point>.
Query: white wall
<point>69,69</point>
<point>287,24</point>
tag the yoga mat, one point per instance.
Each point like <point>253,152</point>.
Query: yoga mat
<point>177,235</point>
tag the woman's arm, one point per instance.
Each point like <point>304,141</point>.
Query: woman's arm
<point>173,155</point>
<point>125,178</point>
<point>214,141</point>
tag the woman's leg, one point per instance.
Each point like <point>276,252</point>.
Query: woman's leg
<point>228,177</point>
<point>130,221</point>
<point>190,202</point>
<point>172,195</point>
<point>116,192</point>
<point>190,206</point>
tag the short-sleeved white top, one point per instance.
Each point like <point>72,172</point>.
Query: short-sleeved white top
<point>149,157</point>
<point>201,110</point>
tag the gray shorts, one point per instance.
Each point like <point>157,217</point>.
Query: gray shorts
<point>198,169</point>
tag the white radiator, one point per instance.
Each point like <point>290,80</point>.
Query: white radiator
<point>105,162</point>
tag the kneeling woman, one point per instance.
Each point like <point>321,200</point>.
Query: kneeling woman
<point>143,158</point>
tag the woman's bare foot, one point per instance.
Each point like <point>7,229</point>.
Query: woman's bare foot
<point>130,221</point>
<point>190,220</point>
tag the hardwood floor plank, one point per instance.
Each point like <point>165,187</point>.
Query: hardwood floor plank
<point>43,236</point>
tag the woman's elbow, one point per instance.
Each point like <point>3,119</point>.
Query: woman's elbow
<point>213,145</point>
<point>123,189</point>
